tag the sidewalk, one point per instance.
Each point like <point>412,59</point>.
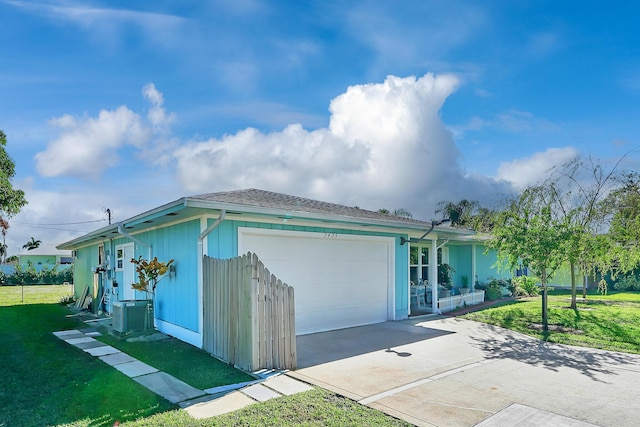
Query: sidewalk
<point>198,403</point>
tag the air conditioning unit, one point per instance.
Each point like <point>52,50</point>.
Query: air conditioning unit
<point>131,315</point>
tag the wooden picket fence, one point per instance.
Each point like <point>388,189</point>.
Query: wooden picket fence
<point>249,314</point>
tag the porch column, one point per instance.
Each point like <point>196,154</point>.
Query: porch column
<point>433,274</point>
<point>473,267</point>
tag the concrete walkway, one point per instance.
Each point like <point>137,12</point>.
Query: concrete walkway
<point>198,403</point>
<point>454,372</point>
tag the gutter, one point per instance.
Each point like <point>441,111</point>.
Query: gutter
<point>223,214</point>
<point>135,239</point>
<point>421,238</point>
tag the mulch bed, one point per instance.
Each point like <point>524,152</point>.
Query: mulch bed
<point>476,307</point>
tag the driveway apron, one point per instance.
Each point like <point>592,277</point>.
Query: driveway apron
<point>443,371</point>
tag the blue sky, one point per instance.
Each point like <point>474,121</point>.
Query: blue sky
<point>128,105</point>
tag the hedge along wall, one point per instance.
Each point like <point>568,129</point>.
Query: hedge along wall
<point>40,275</point>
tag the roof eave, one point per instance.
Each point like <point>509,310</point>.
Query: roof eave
<point>288,214</point>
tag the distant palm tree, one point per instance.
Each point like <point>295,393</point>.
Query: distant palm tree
<point>33,244</point>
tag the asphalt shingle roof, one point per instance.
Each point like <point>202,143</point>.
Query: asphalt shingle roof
<point>268,199</point>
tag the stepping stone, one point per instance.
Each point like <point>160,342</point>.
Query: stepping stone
<point>287,385</point>
<point>230,387</point>
<point>89,344</point>
<point>102,351</point>
<point>84,339</point>
<point>93,334</point>
<point>73,336</point>
<point>228,403</point>
<point>117,358</point>
<point>168,387</point>
<point>260,392</point>
<point>73,333</point>
<point>135,368</point>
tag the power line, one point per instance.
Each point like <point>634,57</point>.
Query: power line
<point>62,223</point>
<point>54,228</point>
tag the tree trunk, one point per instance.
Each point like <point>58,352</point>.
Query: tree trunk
<point>574,288</point>
<point>545,318</point>
<point>584,286</point>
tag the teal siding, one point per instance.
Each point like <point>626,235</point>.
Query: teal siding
<point>176,297</point>
<point>83,266</point>
<point>487,265</point>
<point>460,260</point>
<point>222,242</point>
<point>402,279</point>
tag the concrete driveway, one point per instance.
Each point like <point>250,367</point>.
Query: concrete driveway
<point>445,371</point>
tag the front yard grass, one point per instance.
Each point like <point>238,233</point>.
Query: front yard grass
<point>317,407</point>
<point>45,381</point>
<point>609,322</point>
<point>194,366</point>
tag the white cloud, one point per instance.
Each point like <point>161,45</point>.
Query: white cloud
<point>106,23</point>
<point>88,146</point>
<point>385,146</point>
<point>157,114</point>
<point>531,170</point>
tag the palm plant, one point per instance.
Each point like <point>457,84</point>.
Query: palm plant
<point>32,244</point>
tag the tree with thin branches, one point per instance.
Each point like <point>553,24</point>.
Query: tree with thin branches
<point>528,234</point>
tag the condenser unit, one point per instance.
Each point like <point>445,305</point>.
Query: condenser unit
<point>132,315</point>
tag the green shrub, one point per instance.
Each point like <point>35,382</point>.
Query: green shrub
<point>67,299</point>
<point>628,282</point>
<point>525,286</point>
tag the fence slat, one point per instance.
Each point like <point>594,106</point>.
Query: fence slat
<point>249,314</point>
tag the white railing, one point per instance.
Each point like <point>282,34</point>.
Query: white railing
<point>456,301</point>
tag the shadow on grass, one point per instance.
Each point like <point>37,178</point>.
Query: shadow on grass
<point>498,343</point>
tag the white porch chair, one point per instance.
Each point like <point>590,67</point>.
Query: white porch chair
<point>417,296</point>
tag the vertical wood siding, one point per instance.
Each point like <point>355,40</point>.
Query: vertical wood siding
<point>249,314</point>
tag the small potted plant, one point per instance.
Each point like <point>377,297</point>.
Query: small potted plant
<point>445,271</point>
<point>149,274</point>
<point>465,285</point>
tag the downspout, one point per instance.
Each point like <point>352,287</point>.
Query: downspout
<point>136,240</point>
<point>201,237</point>
<point>443,243</point>
<point>223,214</point>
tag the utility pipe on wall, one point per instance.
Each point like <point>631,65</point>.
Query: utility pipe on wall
<point>135,239</point>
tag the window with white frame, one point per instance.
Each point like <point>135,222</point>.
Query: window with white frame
<point>119,258</point>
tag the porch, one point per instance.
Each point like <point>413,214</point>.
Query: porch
<point>422,301</point>
<point>457,268</point>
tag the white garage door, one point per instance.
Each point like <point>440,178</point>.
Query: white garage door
<point>340,280</point>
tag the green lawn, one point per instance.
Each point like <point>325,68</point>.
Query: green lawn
<point>609,322</point>
<point>184,361</point>
<point>45,381</point>
<point>317,407</point>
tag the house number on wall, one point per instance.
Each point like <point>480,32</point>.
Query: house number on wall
<point>330,235</point>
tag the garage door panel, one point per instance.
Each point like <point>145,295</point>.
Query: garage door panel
<point>339,282</point>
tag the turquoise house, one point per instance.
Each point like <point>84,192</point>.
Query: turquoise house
<point>348,266</point>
